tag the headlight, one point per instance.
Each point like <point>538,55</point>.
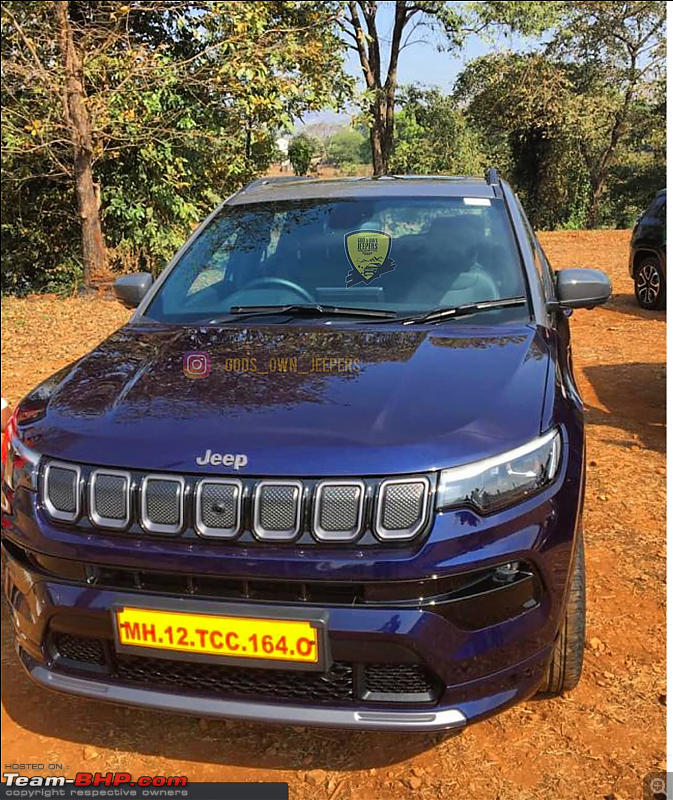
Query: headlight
<point>19,463</point>
<point>497,482</point>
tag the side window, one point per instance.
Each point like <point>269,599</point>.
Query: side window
<point>546,272</point>
<point>539,258</point>
<point>661,209</point>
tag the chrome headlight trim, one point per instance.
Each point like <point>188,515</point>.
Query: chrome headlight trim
<point>25,474</point>
<point>454,476</point>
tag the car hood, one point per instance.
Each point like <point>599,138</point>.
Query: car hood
<point>296,399</point>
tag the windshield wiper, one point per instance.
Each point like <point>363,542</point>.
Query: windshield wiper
<point>450,312</point>
<point>309,310</point>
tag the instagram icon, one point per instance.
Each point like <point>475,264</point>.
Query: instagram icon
<point>196,364</point>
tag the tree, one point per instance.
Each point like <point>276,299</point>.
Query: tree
<point>360,24</point>
<point>626,43</point>
<point>346,147</point>
<point>433,136</point>
<point>525,107</point>
<point>152,110</point>
<point>570,119</point>
<point>300,152</point>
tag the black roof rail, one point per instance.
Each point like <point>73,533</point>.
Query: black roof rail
<point>492,177</point>
<point>273,179</point>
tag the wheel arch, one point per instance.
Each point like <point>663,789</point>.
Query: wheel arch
<point>641,254</point>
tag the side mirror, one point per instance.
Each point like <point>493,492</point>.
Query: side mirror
<point>130,289</point>
<point>582,288</point>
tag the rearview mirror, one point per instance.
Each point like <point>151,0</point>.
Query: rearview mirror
<point>130,289</point>
<point>582,288</point>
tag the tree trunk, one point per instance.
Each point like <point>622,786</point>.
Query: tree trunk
<point>378,164</point>
<point>79,123</point>
<point>596,195</point>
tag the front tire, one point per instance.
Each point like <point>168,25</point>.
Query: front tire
<point>565,665</point>
<point>650,284</point>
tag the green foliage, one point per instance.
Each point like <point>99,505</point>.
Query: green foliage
<point>300,152</point>
<point>349,146</point>
<point>184,100</point>
<point>550,125</point>
<point>433,137</point>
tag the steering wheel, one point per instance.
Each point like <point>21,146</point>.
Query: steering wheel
<point>259,283</point>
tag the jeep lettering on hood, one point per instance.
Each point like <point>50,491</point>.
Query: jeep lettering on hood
<point>224,459</point>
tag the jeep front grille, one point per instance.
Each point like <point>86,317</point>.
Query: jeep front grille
<point>366,510</point>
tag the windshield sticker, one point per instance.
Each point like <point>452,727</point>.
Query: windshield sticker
<point>476,201</point>
<point>368,253</point>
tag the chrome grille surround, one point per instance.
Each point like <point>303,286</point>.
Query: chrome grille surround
<point>286,502</point>
<point>325,528</point>
<point>151,525</point>
<point>412,499</point>
<point>52,474</point>
<point>366,510</point>
<point>96,503</point>
<point>226,486</point>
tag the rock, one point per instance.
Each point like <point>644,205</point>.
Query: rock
<point>414,782</point>
<point>90,753</point>
<point>316,776</point>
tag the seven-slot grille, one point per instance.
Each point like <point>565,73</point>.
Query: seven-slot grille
<point>278,510</point>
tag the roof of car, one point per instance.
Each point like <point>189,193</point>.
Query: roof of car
<point>296,188</point>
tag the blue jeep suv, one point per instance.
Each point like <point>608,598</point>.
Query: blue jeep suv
<point>330,473</point>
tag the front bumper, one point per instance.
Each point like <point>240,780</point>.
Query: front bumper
<point>411,721</point>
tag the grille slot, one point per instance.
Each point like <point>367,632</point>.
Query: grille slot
<point>277,514</point>
<point>109,498</point>
<point>162,503</point>
<point>333,686</point>
<point>80,648</point>
<point>400,679</point>
<point>61,491</point>
<point>402,507</point>
<point>338,510</point>
<point>218,507</point>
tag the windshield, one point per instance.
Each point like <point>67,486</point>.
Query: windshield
<point>405,255</point>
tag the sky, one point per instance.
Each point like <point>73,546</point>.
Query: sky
<point>422,62</point>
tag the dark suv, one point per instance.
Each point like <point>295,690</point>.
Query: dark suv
<point>331,472</point>
<point>647,262</point>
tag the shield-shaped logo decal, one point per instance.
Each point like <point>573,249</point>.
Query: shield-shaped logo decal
<point>368,253</point>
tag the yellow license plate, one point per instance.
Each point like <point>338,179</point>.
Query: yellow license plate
<point>234,637</point>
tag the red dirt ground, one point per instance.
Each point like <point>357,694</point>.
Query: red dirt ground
<point>597,742</point>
